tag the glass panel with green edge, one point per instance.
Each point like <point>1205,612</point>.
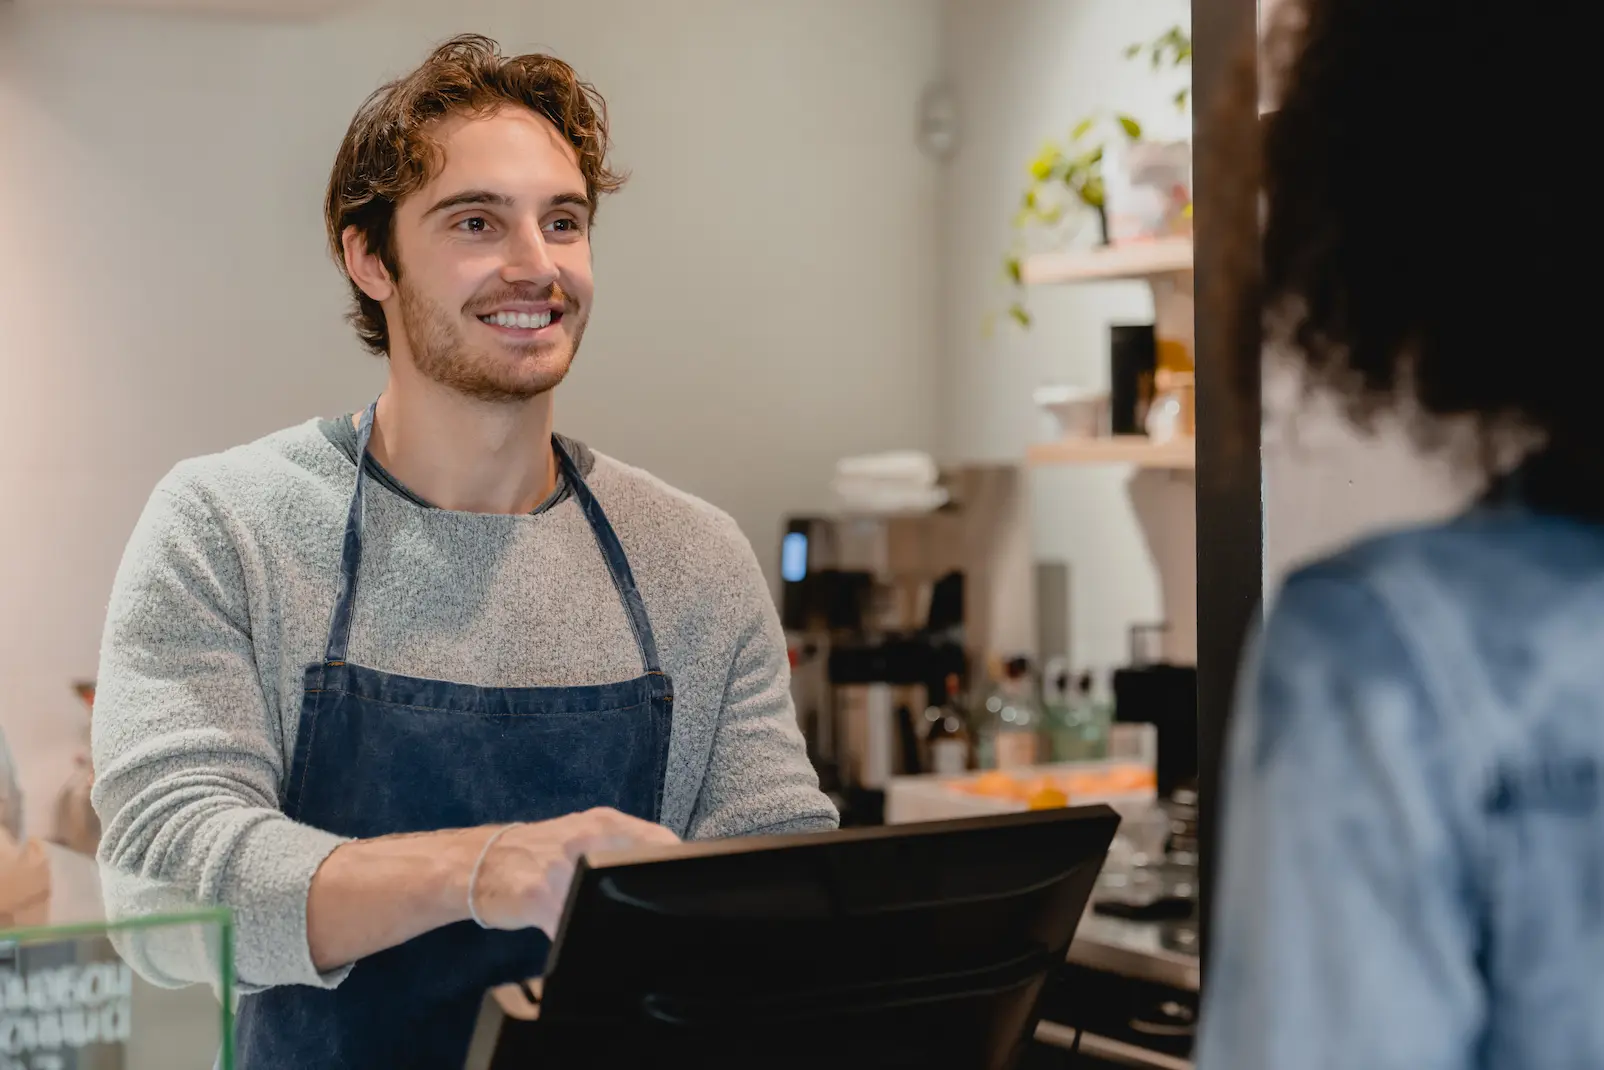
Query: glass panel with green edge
<point>70,1001</point>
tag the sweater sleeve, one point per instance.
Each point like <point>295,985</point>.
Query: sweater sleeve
<point>189,758</point>
<point>759,778</point>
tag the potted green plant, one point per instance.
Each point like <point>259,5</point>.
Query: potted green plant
<point>1066,178</point>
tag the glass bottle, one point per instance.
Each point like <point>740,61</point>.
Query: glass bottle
<point>984,724</point>
<point>1014,717</point>
<point>1061,732</point>
<point>1096,716</point>
<point>947,740</point>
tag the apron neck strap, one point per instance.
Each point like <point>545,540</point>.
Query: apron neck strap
<point>606,539</point>
<point>617,561</point>
<point>351,548</point>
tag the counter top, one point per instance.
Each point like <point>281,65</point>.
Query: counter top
<point>1154,951</point>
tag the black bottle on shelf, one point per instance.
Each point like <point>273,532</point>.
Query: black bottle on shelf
<point>1132,364</point>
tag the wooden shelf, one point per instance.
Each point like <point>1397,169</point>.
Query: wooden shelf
<point>1137,261</point>
<point>1120,449</point>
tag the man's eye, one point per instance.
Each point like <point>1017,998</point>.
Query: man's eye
<point>476,225</point>
<point>565,225</point>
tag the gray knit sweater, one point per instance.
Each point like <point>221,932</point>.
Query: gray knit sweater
<point>224,597</point>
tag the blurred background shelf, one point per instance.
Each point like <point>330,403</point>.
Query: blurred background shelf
<point>1140,261</point>
<point>1119,449</point>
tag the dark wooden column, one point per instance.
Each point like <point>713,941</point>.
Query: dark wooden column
<point>1230,514</point>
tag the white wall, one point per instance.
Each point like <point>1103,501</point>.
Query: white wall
<point>1026,71</point>
<point>767,283</point>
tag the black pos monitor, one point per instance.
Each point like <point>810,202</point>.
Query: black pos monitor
<point>924,945</point>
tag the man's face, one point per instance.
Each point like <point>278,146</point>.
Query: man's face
<point>494,253</point>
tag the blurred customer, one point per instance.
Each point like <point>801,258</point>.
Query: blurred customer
<point>24,870</point>
<point>10,792</point>
<point>1413,872</point>
<point>24,882</point>
<point>77,825</point>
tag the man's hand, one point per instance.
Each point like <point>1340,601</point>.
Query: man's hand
<point>370,895</point>
<point>524,880</point>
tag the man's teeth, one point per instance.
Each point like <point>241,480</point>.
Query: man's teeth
<point>526,320</point>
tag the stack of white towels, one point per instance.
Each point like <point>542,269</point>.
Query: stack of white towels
<point>901,481</point>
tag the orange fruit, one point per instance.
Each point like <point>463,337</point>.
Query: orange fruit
<point>996,784</point>
<point>1047,798</point>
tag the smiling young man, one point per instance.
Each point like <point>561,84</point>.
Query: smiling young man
<point>375,683</point>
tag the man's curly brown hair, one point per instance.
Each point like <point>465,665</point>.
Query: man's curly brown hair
<point>1426,210</point>
<point>388,152</point>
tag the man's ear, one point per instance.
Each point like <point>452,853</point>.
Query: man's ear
<point>365,266</point>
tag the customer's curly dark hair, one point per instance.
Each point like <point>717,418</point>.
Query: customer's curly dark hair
<point>1431,211</point>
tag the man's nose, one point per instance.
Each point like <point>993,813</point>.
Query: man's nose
<point>529,258</point>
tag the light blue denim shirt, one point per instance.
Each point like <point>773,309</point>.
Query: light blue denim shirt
<point>1413,866</point>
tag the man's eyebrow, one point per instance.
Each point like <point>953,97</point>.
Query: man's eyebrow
<point>578,200</point>
<point>469,197</point>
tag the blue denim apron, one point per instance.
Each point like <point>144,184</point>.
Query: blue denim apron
<point>379,754</point>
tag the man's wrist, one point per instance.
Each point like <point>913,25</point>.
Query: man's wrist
<point>459,850</point>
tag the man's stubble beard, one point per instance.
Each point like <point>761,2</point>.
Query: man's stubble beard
<point>442,354</point>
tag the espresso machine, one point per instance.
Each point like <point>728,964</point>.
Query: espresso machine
<point>880,609</point>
